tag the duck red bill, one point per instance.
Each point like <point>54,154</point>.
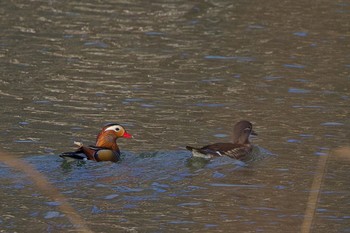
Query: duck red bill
<point>127,135</point>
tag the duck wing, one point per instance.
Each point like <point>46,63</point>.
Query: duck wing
<point>232,150</point>
<point>92,153</point>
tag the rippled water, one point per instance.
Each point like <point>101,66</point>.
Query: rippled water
<point>175,73</point>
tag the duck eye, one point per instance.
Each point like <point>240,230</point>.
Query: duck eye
<point>117,129</point>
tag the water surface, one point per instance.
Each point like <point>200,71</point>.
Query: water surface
<point>175,73</point>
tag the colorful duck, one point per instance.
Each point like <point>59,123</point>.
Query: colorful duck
<point>106,148</point>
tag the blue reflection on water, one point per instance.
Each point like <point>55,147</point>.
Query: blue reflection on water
<point>211,105</point>
<point>138,178</point>
<point>295,66</point>
<point>301,34</point>
<point>298,91</point>
<point>98,44</point>
<point>220,135</point>
<point>52,214</point>
<point>236,58</point>
<point>154,33</point>
<point>332,124</point>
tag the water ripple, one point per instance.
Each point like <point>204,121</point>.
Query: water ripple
<point>236,58</point>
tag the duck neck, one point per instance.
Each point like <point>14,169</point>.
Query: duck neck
<point>107,140</point>
<point>241,140</point>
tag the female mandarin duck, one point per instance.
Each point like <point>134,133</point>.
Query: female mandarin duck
<point>239,148</point>
<point>106,148</point>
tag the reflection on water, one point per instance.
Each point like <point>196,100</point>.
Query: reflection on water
<point>138,185</point>
<point>175,73</point>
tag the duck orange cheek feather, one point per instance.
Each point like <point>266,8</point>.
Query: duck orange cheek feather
<point>127,135</point>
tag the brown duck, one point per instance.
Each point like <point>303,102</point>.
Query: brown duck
<point>239,148</point>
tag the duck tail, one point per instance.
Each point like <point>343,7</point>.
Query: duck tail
<point>78,154</point>
<point>79,144</point>
<point>72,155</point>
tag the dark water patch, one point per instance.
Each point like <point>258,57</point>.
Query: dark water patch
<point>342,4</point>
<point>301,34</point>
<point>308,106</point>
<point>234,58</point>
<point>218,175</point>
<point>280,187</point>
<point>52,214</point>
<point>298,91</point>
<point>96,210</point>
<point>283,169</point>
<point>332,124</point>
<point>100,94</point>
<point>181,222</point>
<point>256,26</point>
<point>42,102</point>
<point>320,153</point>
<point>134,100</point>
<point>294,140</point>
<point>272,78</point>
<point>148,105</point>
<point>332,217</point>
<point>161,188</point>
<point>156,184</point>
<point>76,128</point>
<point>221,135</point>
<point>322,210</point>
<point>332,192</point>
<point>302,80</point>
<point>154,33</point>
<point>210,105</point>
<point>266,208</point>
<point>142,198</point>
<point>52,203</point>
<point>111,196</point>
<point>294,66</point>
<point>68,36</point>
<point>189,204</point>
<point>97,44</point>
<point>210,225</point>
<point>130,206</point>
<point>345,97</point>
<point>124,189</point>
<point>26,141</point>
<point>328,92</point>
<point>306,135</point>
<point>253,186</point>
<point>213,80</point>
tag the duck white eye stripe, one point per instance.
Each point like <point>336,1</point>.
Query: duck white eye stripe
<point>113,127</point>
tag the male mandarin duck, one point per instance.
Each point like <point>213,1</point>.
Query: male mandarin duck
<point>239,148</point>
<point>106,148</point>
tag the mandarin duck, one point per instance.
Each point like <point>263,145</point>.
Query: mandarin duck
<point>106,148</point>
<point>238,149</point>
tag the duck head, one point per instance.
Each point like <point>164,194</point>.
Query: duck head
<point>241,132</point>
<point>117,130</point>
<point>109,134</point>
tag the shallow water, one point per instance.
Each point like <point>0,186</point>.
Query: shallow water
<point>175,73</point>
